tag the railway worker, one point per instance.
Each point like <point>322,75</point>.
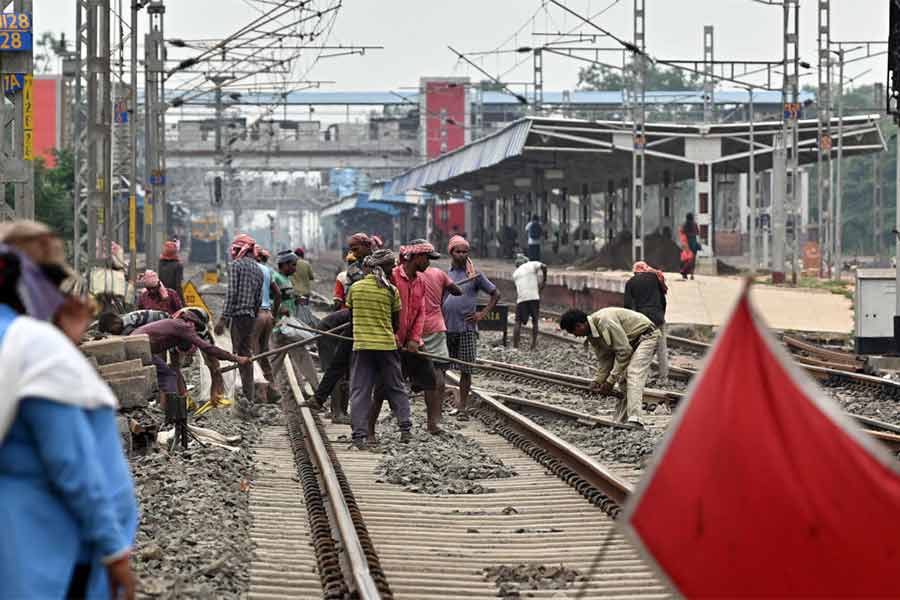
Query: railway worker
<point>335,357</point>
<point>268,308</point>
<point>156,296</point>
<point>171,271</point>
<point>461,316</point>
<point>242,301</point>
<point>360,247</point>
<point>69,510</point>
<point>123,325</point>
<point>302,278</point>
<point>203,321</point>
<point>624,342</point>
<point>414,260</point>
<point>182,334</point>
<point>528,296</point>
<point>301,359</point>
<point>375,306</point>
<point>434,331</point>
<point>646,293</point>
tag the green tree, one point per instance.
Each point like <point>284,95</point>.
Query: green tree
<point>602,78</point>
<point>53,193</point>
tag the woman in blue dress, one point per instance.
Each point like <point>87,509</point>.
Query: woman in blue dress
<point>68,513</point>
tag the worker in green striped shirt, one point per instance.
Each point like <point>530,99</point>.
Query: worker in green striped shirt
<point>375,306</point>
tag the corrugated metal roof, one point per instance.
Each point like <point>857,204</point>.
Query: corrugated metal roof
<point>486,152</point>
<point>358,201</point>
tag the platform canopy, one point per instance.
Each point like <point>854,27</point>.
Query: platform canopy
<point>357,201</point>
<point>597,152</point>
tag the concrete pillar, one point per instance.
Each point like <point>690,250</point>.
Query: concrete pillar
<point>778,224</point>
<point>667,205</point>
<point>704,202</point>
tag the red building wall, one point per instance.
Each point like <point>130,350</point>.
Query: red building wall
<point>47,121</point>
<point>450,215</point>
<point>444,101</point>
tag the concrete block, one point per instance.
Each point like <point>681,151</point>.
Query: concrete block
<point>138,346</point>
<point>123,368</point>
<point>132,392</point>
<point>106,352</point>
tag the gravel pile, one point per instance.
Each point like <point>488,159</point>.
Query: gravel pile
<point>193,538</point>
<point>512,581</point>
<point>446,464</point>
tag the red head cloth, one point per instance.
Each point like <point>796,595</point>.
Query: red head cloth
<point>242,244</point>
<point>259,252</point>
<point>377,242</point>
<point>170,251</point>
<point>300,252</point>
<point>642,267</point>
<point>458,241</point>
<point>151,281</point>
<point>360,238</point>
<point>407,252</point>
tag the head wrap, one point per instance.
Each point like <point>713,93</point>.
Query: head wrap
<point>360,238</point>
<point>417,247</point>
<point>197,316</point>
<point>377,242</point>
<point>301,252</point>
<point>458,241</point>
<point>260,252</point>
<point>151,281</point>
<point>377,262</point>
<point>241,245</point>
<point>521,259</point>
<point>170,251</point>
<point>642,267</point>
<point>286,256</point>
<point>39,296</point>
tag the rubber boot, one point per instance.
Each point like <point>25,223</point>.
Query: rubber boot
<point>340,399</point>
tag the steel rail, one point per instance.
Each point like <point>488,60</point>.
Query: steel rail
<point>356,556</point>
<point>583,465</point>
<point>825,353</point>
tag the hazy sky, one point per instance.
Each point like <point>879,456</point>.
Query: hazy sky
<point>415,33</point>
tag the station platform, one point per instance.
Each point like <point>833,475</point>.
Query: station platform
<point>706,300</point>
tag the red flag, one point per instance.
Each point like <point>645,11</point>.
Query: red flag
<point>762,488</point>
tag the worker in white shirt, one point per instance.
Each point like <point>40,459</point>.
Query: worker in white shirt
<point>530,277</point>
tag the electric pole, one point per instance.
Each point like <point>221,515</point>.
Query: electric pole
<point>824,172</point>
<point>155,134</point>
<point>639,115</point>
<point>17,120</point>
<point>877,186</point>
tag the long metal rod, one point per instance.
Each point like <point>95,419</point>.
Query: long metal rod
<point>751,184</point>
<point>839,182</point>
<point>132,138</point>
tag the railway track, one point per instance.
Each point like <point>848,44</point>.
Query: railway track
<point>557,510</point>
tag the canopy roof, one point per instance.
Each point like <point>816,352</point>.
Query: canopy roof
<point>599,151</point>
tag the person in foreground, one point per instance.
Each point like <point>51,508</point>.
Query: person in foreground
<point>69,513</point>
<point>624,342</point>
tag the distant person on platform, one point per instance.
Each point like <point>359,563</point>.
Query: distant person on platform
<point>302,278</point>
<point>461,316</point>
<point>530,277</point>
<point>646,293</point>
<point>624,342</point>
<point>157,296</point>
<point>242,301</point>
<point>689,236</point>
<point>171,271</point>
<point>535,233</point>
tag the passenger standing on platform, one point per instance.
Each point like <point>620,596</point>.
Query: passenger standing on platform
<point>156,296</point>
<point>302,278</point>
<point>171,271</point>
<point>69,512</point>
<point>624,342</point>
<point>265,318</point>
<point>375,306</point>
<point>242,301</point>
<point>462,318</point>
<point>689,236</point>
<point>528,296</point>
<point>646,293</point>
<point>304,369</point>
<point>535,232</point>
